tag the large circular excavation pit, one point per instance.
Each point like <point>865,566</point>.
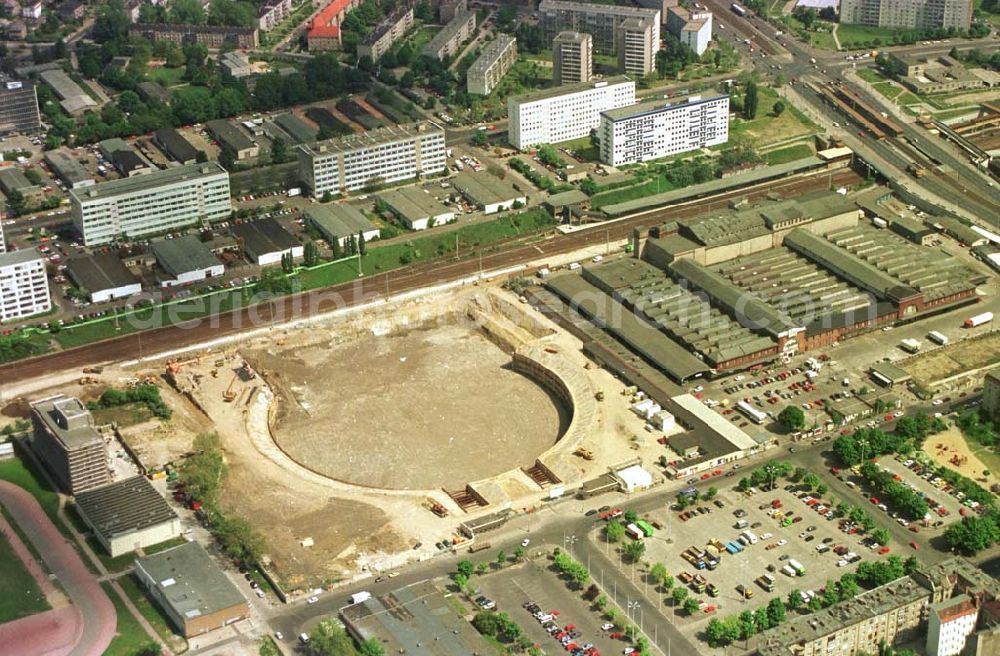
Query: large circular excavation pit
<point>430,408</point>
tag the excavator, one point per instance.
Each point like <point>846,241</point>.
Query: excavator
<point>229,395</point>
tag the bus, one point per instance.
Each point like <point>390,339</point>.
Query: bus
<point>751,412</point>
<point>738,9</point>
<point>797,566</point>
<point>634,532</point>
<point>645,527</point>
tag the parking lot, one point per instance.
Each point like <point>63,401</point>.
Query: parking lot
<point>909,476</point>
<point>533,581</point>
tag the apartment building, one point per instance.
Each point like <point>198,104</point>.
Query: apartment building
<point>18,107</point>
<point>24,285</point>
<point>949,625</point>
<point>636,43</point>
<point>566,112</point>
<point>599,20</point>
<point>692,28</point>
<point>272,12</point>
<point>389,31</point>
<point>211,36</point>
<point>324,29</point>
<point>151,204</point>
<point>572,58</point>
<point>652,130</point>
<point>495,61</point>
<point>373,158</point>
<point>912,14</point>
<point>65,440</point>
<point>448,42</point>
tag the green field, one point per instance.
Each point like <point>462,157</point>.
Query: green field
<point>853,36</point>
<point>583,149</point>
<point>20,595</point>
<point>788,154</point>
<point>870,75</point>
<point>148,609</point>
<point>21,473</point>
<point>168,77</point>
<point>768,128</point>
<point>656,185</point>
<point>130,637</point>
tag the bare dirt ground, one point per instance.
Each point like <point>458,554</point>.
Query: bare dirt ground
<point>424,408</point>
<point>950,447</point>
<point>954,359</point>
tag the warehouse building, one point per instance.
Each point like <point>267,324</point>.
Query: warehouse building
<point>490,67</point>
<point>175,146</point>
<point>153,92</point>
<point>102,276</point>
<point>601,21</point>
<point>191,590</point>
<point>66,167</point>
<point>13,180</point>
<point>72,98</point>
<point>565,113</point>
<point>151,204</point>
<point>185,260</point>
<point>572,58</point>
<point>265,242</point>
<point>390,30</point>
<point>18,107</point>
<point>24,285</point>
<point>709,441</point>
<point>416,208</point>
<point>340,222</point>
<point>647,131</point>
<point>487,192</point>
<point>296,128</point>
<point>232,139</point>
<point>373,158</point>
<point>68,445</point>
<point>128,515</point>
<point>912,230</point>
<point>449,40</point>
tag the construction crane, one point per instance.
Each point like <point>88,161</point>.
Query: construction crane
<point>229,395</point>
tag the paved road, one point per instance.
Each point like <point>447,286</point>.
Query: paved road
<point>89,600</point>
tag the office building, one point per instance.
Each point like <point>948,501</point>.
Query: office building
<point>324,29</point>
<point>151,204</point>
<point>191,590</point>
<point>211,36</point>
<point>373,158</point>
<point>128,515</point>
<point>636,43</point>
<point>692,28</point>
<point>389,31</point>
<point>495,61</point>
<point>448,42</point>
<point>908,14</point>
<point>652,130</point>
<point>68,169</point>
<point>949,625</point>
<point>572,58</point>
<point>564,113</point>
<point>18,107</point>
<point>599,20</point>
<point>68,445</point>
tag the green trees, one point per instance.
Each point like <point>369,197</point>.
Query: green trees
<point>577,572</point>
<point>310,253</point>
<point>279,151</point>
<point>371,647</point>
<point>973,534</point>
<point>881,535</point>
<point>909,502</point>
<point>479,138</point>
<point>690,605</point>
<point>873,574</point>
<point>679,595</point>
<point>550,157</point>
<point>750,100</point>
<point>778,108</point>
<point>496,625</point>
<point>328,639</point>
<point>634,550</point>
<point>810,480</point>
<point>614,531</point>
<point>16,203</point>
<point>792,418</point>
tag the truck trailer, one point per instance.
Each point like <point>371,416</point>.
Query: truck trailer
<point>978,320</point>
<point>910,345</point>
<point>937,338</point>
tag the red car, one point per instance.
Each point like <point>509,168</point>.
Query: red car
<point>914,545</point>
<point>570,646</point>
<point>570,627</point>
<point>874,501</point>
<point>913,528</point>
<point>883,551</point>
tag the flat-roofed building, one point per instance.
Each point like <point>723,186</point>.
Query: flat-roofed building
<point>72,98</point>
<point>68,445</point>
<point>572,58</point>
<point>601,21</point>
<point>102,276</point>
<point>211,36</point>
<point>488,192</point>
<point>692,28</point>
<point>151,204</point>
<point>14,180</point>
<point>390,30</point>
<point>68,169</point>
<point>128,515</point>
<point>416,208</point>
<point>490,67</point>
<point>265,242</point>
<point>232,138</point>
<point>191,590</point>
<point>272,12</point>
<point>339,222</point>
<point>175,146</point>
<point>376,157</point>
<point>657,129</point>
<point>18,107</point>
<point>448,8</point>
<point>24,285</point>
<point>296,128</point>
<point>449,40</point>
<point>912,14</point>
<point>186,260</point>
<point>564,113</point>
<point>949,625</point>
<point>153,91</point>
<point>636,42</point>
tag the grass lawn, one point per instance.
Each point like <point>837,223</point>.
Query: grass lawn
<point>994,19</point>
<point>767,128</point>
<point>656,185</point>
<point>129,634</point>
<point>22,473</point>
<point>123,415</point>
<point>421,36</point>
<point>888,89</point>
<point>852,36</point>
<point>583,149</point>
<point>823,40</point>
<point>113,565</point>
<point>20,595</point>
<point>168,77</point>
<point>789,154</point>
<point>870,75</point>
<point>147,608</point>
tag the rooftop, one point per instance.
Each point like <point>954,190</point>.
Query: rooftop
<point>339,219</point>
<point>177,147</point>
<point>124,507</point>
<point>566,89</point>
<point>387,24</point>
<point>891,372</point>
<point>145,183</point>
<point>414,203</point>
<point>297,129</point>
<point>230,135</point>
<point>657,106</point>
<point>13,179</point>
<point>594,8</point>
<point>493,50</point>
<point>68,419</point>
<point>484,188</point>
<point>99,271</point>
<point>372,138</point>
<point>184,254</point>
<point>952,609</point>
<point>190,582</point>
<point>67,90</point>
<point>321,23</point>
<point>21,256</point>
<point>716,423</point>
<point>67,167</point>
<point>448,32</point>
<point>264,236</point>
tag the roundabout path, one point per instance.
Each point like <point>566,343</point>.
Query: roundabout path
<point>83,629</point>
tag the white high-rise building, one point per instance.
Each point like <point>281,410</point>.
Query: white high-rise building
<point>374,158</point>
<point>949,624</point>
<point>24,285</point>
<point>151,204</point>
<point>693,29</point>
<point>564,113</point>
<point>658,129</point>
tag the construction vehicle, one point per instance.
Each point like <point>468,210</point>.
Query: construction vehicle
<point>599,396</point>
<point>436,507</point>
<point>916,171</point>
<point>93,370</point>
<point>229,395</point>
<point>586,454</point>
<point>88,380</point>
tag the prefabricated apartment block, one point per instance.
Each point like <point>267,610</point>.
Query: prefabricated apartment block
<point>24,285</point>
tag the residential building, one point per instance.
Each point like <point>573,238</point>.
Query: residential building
<point>185,260</point>
<point>128,515</point>
<point>65,440</point>
<point>324,30</point>
<point>72,98</point>
<point>376,157</point>
<point>72,10</point>
<point>191,590</point>
<point>102,277</point>
<point>31,10</point>
<point>232,138</point>
<point>175,146</point>
<point>489,68</point>
<point>448,42</point>
<point>488,192</point>
<point>272,12</point>
<point>151,204</point>
<point>265,242</point>
<point>211,36</point>
<point>389,31</point>
<point>652,130</point>
<point>14,180</point>
<point>565,113</point>
<point>416,208</point>
<point>991,395</point>
<point>18,107</point>
<point>572,58</point>
<point>911,14</point>
<point>339,222</point>
<point>16,31</point>
<point>636,43</point>
<point>949,625</point>
<point>601,21</point>
<point>24,285</point>
<point>68,169</point>
<point>448,9</point>
<point>692,28</point>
